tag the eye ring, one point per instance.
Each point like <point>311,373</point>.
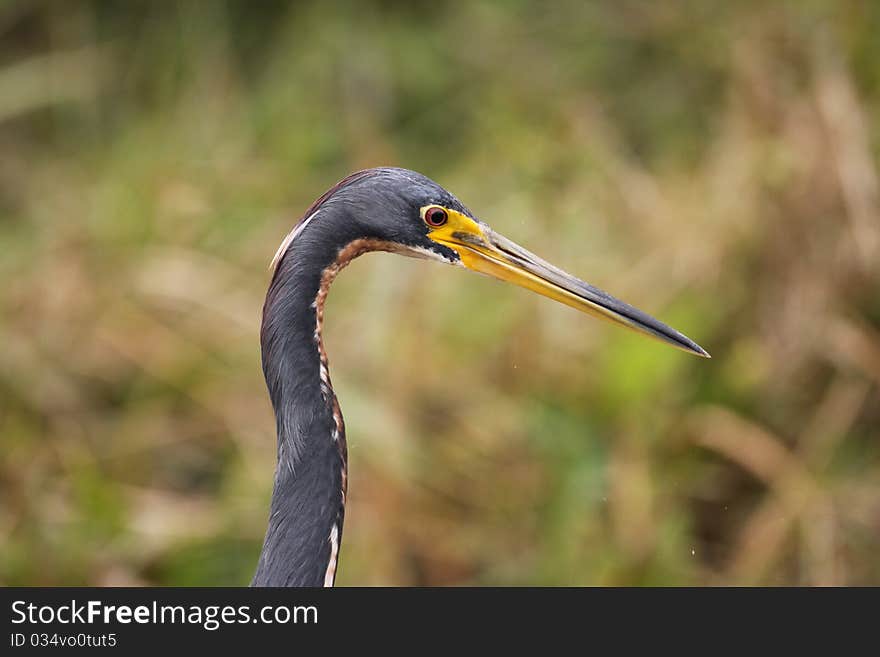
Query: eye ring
<point>436,217</point>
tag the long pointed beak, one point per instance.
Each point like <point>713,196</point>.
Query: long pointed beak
<point>485,251</point>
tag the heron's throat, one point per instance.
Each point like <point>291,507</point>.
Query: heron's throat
<point>346,254</point>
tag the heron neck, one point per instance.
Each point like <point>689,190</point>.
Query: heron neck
<point>308,499</point>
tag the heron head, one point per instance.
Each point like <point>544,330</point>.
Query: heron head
<point>409,213</point>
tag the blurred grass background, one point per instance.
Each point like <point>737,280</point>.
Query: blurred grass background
<point>713,163</point>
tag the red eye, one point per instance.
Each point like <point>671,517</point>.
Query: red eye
<point>435,217</point>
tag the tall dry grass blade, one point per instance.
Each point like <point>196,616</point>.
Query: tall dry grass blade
<point>45,80</point>
<point>850,143</point>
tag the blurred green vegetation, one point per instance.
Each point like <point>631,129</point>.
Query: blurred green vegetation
<point>714,163</point>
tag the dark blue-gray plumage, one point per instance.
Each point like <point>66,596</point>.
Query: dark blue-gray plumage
<point>376,206</point>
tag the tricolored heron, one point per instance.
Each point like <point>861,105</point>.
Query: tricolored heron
<point>384,209</point>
